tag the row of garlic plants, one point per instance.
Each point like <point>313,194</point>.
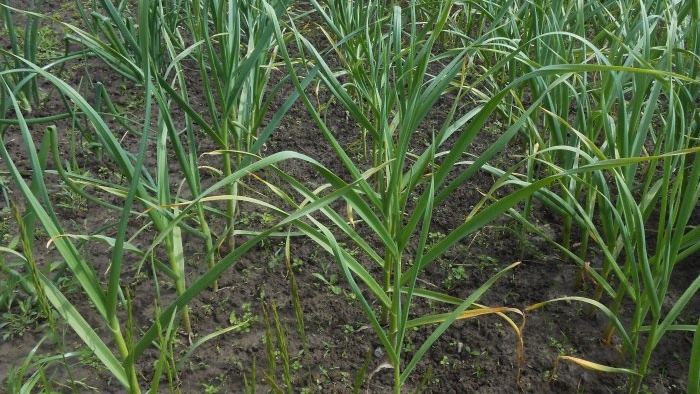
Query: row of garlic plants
<point>604,93</point>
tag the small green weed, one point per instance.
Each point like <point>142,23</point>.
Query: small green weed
<point>455,275</point>
<point>245,318</point>
<point>331,282</point>
<point>18,320</point>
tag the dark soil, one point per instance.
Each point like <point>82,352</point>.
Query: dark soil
<point>473,356</point>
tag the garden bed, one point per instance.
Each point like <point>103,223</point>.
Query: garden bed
<point>247,333</point>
